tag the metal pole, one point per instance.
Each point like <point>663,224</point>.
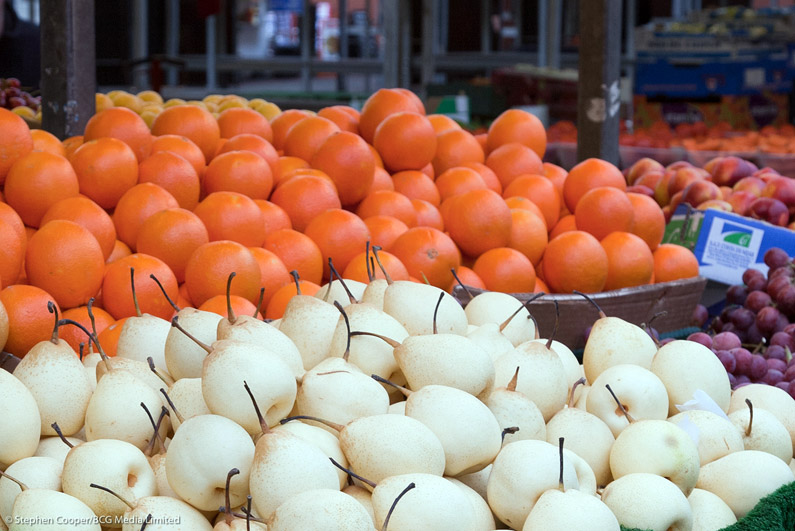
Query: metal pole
<point>543,16</point>
<point>391,25</point>
<point>211,71</point>
<point>307,45</point>
<point>630,55</point>
<point>428,42</point>
<point>172,38</point>
<point>404,21</point>
<point>140,43</point>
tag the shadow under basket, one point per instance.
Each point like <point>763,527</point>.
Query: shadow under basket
<point>637,305</point>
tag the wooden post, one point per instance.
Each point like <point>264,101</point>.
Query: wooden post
<point>599,94</point>
<point>390,10</point>
<point>68,65</point>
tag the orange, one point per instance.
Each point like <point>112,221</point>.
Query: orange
<point>74,335</point>
<point>218,305</point>
<point>281,124</point>
<point>516,125</point>
<point>649,219</point>
<point>135,206</point>
<point>347,159</point>
<point>674,262</point>
<point>45,141</point>
<point>442,123</point>
<point>541,287</point>
<point>209,266</point>
<point>184,297</point>
<point>304,197</point>
<point>528,235</point>
<point>120,250</point>
<point>123,124</point>
<point>105,168</point>
<point>388,203</point>
<point>232,216</point>
<point>604,210</point>
<point>557,175</point>
<point>457,180</point>
<point>478,221</point>
<point>405,141</point>
<point>482,140</point>
<point>15,140</point>
<point>10,216</point>
<point>298,252</point>
<point>427,252</point>
<point>190,121</point>
<point>384,230</point>
<point>340,235</point>
<point>284,166</point>
<point>283,295</point>
<point>117,297</point>
<point>29,321</point>
<point>456,147</point>
<point>238,120</point>
<point>428,170</point>
<point>512,160</point>
<point>525,204</point>
<point>629,261</point>
<point>506,270</point>
<point>306,136</point>
<point>90,215</point>
<point>357,267</point>
<point>37,181</point>
<point>273,216</point>
<point>468,277</point>
<point>416,185</point>
<point>244,172</point>
<point>346,118</point>
<point>273,272</point>
<point>381,181</point>
<point>174,174</point>
<point>587,175</point>
<point>540,191</point>
<point>172,235</point>
<point>427,214</point>
<point>183,147</point>
<point>418,105</point>
<point>487,174</point>
<point>575,260</point>
<point>12,254</point>
<point>71,144</point>
<point>109,338</point>
<point>565,224</point>
<point>254,143</point>
<point>379,106</point>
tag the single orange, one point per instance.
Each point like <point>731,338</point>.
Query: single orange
<point>29,320</point>
<point>427,214</point>
<point>540,191</point>
<point>255,144</point>
<point>109,338</point>
<point>649,219</point>
<point>284,166</point>
<point>468,278</point>
<point>575,260</point>
<point>209,266</point>
<point>384,230</point>
<point>274,216</point>
<point>379,106</point>
<point>46,141</point>
<point>238,120</point>
<point>457,180</point>
<point>346,118</point>
<point>629,261</point>
<point>123,124</point>
<point>244,172</point>
<point>347,159</point>
<point>456,147</point>
<point>172,235</point>
<point>340,235</point>
<point>487,174</point>
<point>135,206</point>
<point>74,335</point>
<point>90,215</point>
<point>525,204</point>
<point>388,203</point>
<point>15,140</point>
<point>381,181</point>
<point>557,175</point>
<point>71,144</point>
<point>117,298</point>
<point>416,185</point>
<point>357,267</point>
<point>182,146</point>
<point>304,197</point>
<point>674,262</point>
<point>273,272</point>
<point>429,253</point>
<point>307,135</point>
<point>604,210</point>
<point>587,175</point>
<point>298,252</point>
<point>516,125</point>
<point>564,224</point>
<point>479,220</point>
<point>12,254</point>
<point>219,305</point>
<point>193,122</point>
<point>120,250</point>
<point>405,141</point>
<point>232,216</point>
<point>174,174</point>
<point>279,301</point>
<point>506,270</point>
<point>528,235</point>
<point>105,168</point>
<point>442,123</point>
<point>512,160</point>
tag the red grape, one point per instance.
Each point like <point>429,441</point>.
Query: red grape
<point>726,341</point>
<point>767,319</point>
<point>775,363</point>
<point>727,359</point>
<point>758,367</point>
<point>736,294</point>
<point>743,359</point>
<point>776,257</point>
<point>757,300</point>
<point>702,338</point>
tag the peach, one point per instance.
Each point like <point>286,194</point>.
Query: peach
<point>679,164</point>
<point>642,167</point>
<point>683,177</point>
<point>740,201</point>
<point>750,184</point>
<point>700,191</point>
<point>661,194</point>
<point>731,169</point>
<point>766,169</point>
<point>781,188</point>
<point>711,164</point>
<point>717,204</point>
<point>676,200</point>
<point>641,189</point>
<point>770,210</point>
<point>650,179</point>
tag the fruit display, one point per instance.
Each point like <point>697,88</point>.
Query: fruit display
<point>13,96</point>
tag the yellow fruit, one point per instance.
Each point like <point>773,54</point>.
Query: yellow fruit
<point>150,96</point>
<point>173,101</point>
<point>102,102</point>
<point>24,112</point>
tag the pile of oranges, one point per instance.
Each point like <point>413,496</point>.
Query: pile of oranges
<point>196,191</point>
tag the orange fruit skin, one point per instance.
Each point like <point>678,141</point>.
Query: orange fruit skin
<point>416,185</point>
<point>479,220</point>
<point>90,215</point>
<point>357,267</point>
<point>457,180</point>
<point>109,338</point>
<point>117,297</point>
<point>575,260</point>
<point>15,141</point>
<point>540,191</point>
<point>45,141</point>
<point>649,219</point>
<point>564,224</point>
<point>243,172</point>
<point>428,252</point>
<point>29,321</point>
<point>37,181</point>
<point>123,124</point>
<point>298,252</point>
<point>304,197</point>
<point>456,147</point>
<point>528,235</point>
<point>273,216</point>
<point>209,266</point>
<point>273,272</point>
<point>73,335</point>
<point>405,141</point>
<point>282,123</point>
<point>379,106</point>
<point>468,277</point>
<point>218,305</point>
<point>587,175</point>
<point>346,118</point>
<point>384,230</point>
<point>512,160</point>
<point>629,261</point>
<point>604,210</point>
<point>193,122</point>
<point>340,235</point>
<point>182,146</point>
<point>674,262</point>
<point>12,253</point>
<point>506,270</point>
<point>135,206</point>
<point>307,135</point>
<point>516,125</point>
<point>347,159</point>
<point>105,168</point>
<point>174,174</point>
<point>388,203</point>
<point>232,216</point>
<point>172,235</point>
<point>255,144</point>
<point>238,120</point>
<point>427,215</point>
<point>283,295</point>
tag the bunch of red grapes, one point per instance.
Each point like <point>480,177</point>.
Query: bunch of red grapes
<point>753,336</point>
<point>12,95</point>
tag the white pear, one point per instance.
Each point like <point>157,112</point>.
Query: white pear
<point>743,478</point>
<point>158,464</point>
<point>501,309</point>
<point>434,504</point>
<point>716,436</point>
<point>585,475</point>
<point>34,506</point>
<point>186,395</point>
<point>582,399</point>
<point>35,473</point>
<point>323,439</point>
<point>514,409</point>
<point>167,514</point>
<point>200,455</point>
<point>397,408</point>
<point>183,356</point>
<point>140,369</point>
<point>468,430</point>
<point>54,447</point>
<point>380,446</point>
<point>309,323</point>
<point>335,291</point>
<point>648,501</point>
<point>572,366</point>
<point>587,436</point>
<point>768,397</point>
<point>364,497</point>
<point>374,293</point>
<point>114,464</point>
<point>614,341</point>
<point>709,511</point>
<point>90,362</point>
<point>3,326</point>
<point>564,511</point>
<point>656,447</point>
<point>640,391</point>
<point>761,430</point>
<point>327,509</point>
<point>142,337</point>
<point>413,305</point>
<point>484,518</point>
<point>20,422</point>
<point>490,339</point>
<point>512,492</point>
<point>477,481</point>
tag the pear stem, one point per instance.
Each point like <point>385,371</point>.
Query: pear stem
<point>424,278</point>
<point>590,299</point>
<point>388,278</point>
<point>329,284</point>
<point>163,290</point>
<point>227,502</point>
<point>332,425</point>
<point>260,300</point>
<point>620,405</point>
<point>570,401</point>
<point>146,522</point>
<point>151,362</point>
<point>555,327</point>
<point>172,406</point>
<point>352,473</point>
<point>339,307</point>
<point>15,480</point>
<point>106,489</point>
<point>248,512</point>
<point>406,392</point>
<point>512,384</point>
<point>296,279</point>
<point>134,296</point>
<point>150,448</point>
<point>560,453</point>
<point>80,349</point>
<point>436,311</point>
<point>519,309</point>
<point>90,311</point>
<point>394,504</point>
<point>262,422</point>
<point>367,261</point>
<point>58,431</point>
<point>750,417</point>
<point>508,431</point>
<point>333,269</point>
<point>52,309</point>
<point>392,343</point>
<point>91,337</point>
<point>230,313</point>
<point>463,286</point>
<point>238,515</point>
<point>175,324</point>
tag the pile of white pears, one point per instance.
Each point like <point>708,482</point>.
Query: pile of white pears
<point>386,405</point>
